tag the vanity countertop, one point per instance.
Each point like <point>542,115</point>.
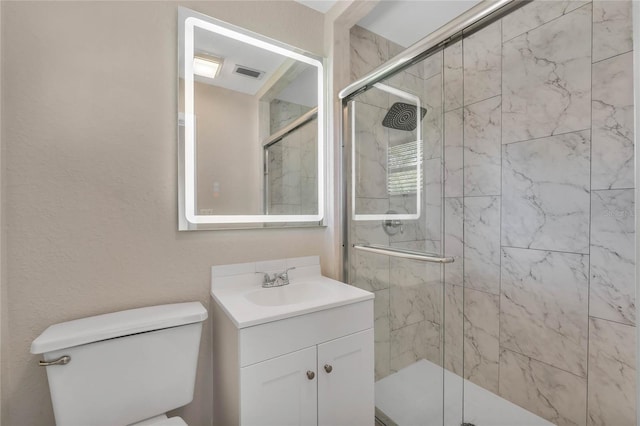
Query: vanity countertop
<point>247,303</point>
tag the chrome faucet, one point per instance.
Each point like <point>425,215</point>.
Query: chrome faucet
<point>279,278</point>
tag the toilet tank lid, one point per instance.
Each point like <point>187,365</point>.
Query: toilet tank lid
<point>117,324</point>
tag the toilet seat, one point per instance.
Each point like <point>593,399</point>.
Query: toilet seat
<point>162,421</point>
<point>173,421</point>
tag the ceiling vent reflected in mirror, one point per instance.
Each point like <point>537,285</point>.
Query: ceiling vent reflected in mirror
<point>248,72</point>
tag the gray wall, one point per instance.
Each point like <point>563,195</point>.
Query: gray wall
<point>408,293</point>
<point>90,179</point>
<point>293,172</point>
<point>539,211</point>
<point>541,183</point>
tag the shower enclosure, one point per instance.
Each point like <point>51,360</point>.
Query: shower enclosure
<point>488,199</point>
<point>289,162</point>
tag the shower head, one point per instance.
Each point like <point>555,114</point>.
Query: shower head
<point>402,116</point>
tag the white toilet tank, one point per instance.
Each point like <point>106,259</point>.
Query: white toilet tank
<point>124,367</point>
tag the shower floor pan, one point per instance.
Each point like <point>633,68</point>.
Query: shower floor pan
<point>413,397</point>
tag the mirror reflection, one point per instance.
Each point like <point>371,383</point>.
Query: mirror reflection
<point>251,128</point>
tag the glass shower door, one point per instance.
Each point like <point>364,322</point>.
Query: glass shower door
<point>394,152</point>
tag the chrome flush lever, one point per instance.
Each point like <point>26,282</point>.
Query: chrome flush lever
<point>63,360</point>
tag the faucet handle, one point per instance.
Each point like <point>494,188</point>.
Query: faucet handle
<point>267,278</point>
<point>285,274</point>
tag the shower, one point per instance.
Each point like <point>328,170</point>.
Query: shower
<point>403,116</point>
<point>477,208</point>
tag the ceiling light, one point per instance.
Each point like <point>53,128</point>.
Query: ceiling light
<point>206,66</point>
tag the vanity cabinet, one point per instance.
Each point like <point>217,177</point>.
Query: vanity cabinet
<point>280,391</point>
<point>320,385</point>
<point>312,369</point>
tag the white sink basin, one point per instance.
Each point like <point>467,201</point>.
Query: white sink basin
<point>244,300</point>
<point>289,294</point>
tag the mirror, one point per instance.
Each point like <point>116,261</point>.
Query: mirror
<point>251,129</point>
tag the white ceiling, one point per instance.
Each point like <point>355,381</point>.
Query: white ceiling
<point>236,53</point>
<point>404,21</point>
<point>319,5</point>
<point>407,21</point>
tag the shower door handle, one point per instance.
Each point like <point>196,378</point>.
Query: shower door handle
<point>403,253</point>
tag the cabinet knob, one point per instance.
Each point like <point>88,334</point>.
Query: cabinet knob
<point>328,368</point>
<point>310,375</point>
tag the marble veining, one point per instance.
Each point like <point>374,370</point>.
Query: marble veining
<point>453,329</point>
<point>382,334</point>
<point>370,231</point>
<point>482,147</point>
<point>545,193</point>
<point>551,393</point>
<point>612,123</point>
<point>454,240</point>
<point>613,256</point>
<point>370,271</point>
<point>534,14</point>
<point>411,230</point>
<point>482,243</point>
<point>612,372</point>
<point>415,292</point>
<point>482,63</point>
<point>481,334</point>
<point>612,28</point>
<point>432,122</point>
<point>453,153</point>
<point>431,65</point>
<point>453,76</point>
<point>432,216</point>
<point>536,136</point>
<point>546,79</point>
<point>544,306</point>
<point>371,152</point>
<point>414,342</point>
<point>368,50</point>
<point>282,113</point>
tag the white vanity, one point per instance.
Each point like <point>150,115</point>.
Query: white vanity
<point>299,354</point>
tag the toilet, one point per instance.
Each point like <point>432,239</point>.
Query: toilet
<point>123,368</point>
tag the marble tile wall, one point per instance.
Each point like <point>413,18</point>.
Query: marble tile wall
<point>282,113</point>
<point>539,210</point>
<point>292,180</point>
<point>535,124</point>
<point>408,294</point>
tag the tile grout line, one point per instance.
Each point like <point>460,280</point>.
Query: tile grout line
<point>547,136</point>
<point>464,226</point>
<point>590,222</point>
<point>490,97</point>
<point>611,189</point>
<point>545,363</point>
<point>610,57</point>
<point>611,321</point>
<point>546,250</point>
<point>500,220</point>
<point>545,23</point>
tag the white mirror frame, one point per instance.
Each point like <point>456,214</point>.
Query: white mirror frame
<point>189,220</point>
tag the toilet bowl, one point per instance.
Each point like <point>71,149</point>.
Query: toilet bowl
<point>123,368</point>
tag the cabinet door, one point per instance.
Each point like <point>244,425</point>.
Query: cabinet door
<point>280,392</point>
<point>345,381</point>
